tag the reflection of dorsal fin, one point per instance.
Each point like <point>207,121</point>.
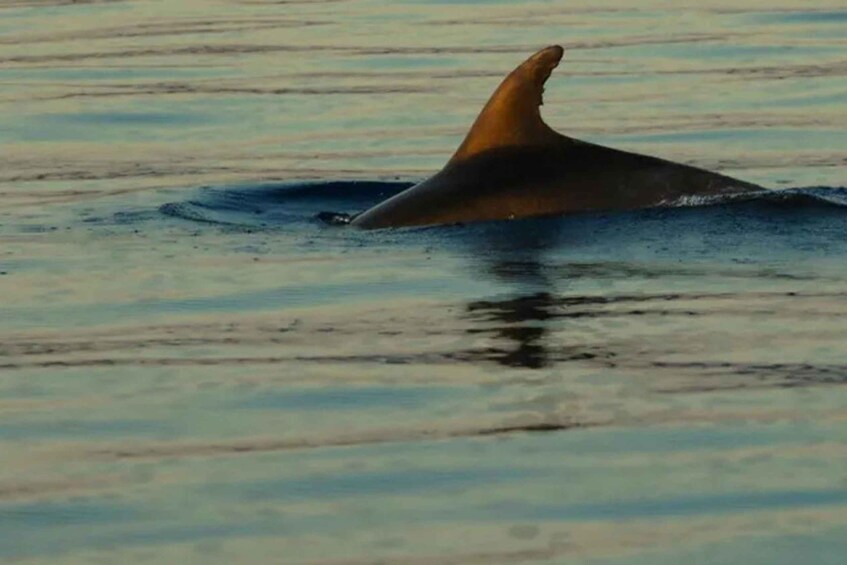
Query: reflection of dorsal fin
<point>512,117</point>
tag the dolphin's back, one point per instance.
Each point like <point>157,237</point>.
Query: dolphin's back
<point>571,176</point>
<point>512,165</point>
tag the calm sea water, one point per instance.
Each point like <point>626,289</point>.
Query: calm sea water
<point>193,369</point>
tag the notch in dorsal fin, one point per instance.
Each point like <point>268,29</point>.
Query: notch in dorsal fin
<point>512,117</point>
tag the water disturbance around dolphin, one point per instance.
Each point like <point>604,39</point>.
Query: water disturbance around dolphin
<point>513,165</point>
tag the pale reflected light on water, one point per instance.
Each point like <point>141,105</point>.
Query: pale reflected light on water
<point>194,369</point>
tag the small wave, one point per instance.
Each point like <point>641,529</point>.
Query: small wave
<point>817,195</point>
<point>278,205</point>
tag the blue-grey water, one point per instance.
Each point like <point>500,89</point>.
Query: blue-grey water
<point>193,369</point>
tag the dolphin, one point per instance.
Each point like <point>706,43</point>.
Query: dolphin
<point>513,165</point>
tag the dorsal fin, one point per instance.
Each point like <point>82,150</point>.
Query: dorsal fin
<point>512,117</point>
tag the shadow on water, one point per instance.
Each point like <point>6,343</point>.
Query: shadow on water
<point>515,258</point>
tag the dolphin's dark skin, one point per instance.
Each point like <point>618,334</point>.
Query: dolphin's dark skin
<point>512,165</point>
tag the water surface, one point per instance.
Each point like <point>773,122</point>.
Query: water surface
<point>194,369</point>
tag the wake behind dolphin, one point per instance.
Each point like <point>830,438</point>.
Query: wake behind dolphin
<point>513,165</point>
